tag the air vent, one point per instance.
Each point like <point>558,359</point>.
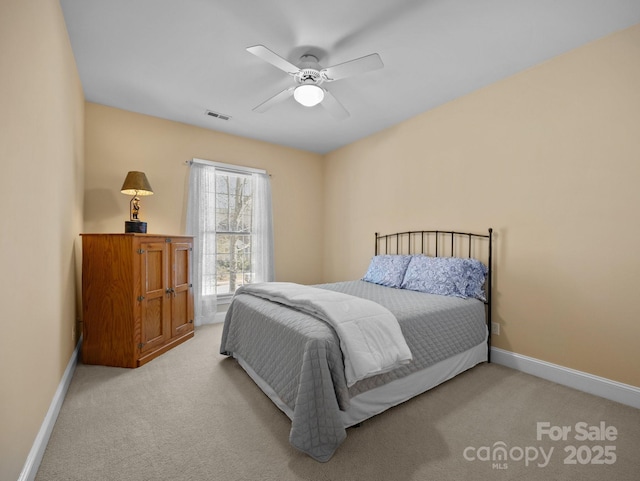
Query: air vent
<point>218,115</point>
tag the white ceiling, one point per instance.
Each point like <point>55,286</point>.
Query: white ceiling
<point>175,59</point>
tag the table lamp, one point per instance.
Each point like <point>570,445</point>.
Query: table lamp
<point>135,184</point>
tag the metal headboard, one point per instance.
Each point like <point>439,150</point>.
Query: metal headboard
<point>444,243</point>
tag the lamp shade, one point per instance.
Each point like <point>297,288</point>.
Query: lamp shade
<point>136,183</point>
<point>308,95</point>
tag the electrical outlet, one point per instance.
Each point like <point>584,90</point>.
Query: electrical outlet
<point>495,328</point>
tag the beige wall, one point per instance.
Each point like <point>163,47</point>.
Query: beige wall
<point>41,188</point>
<point>550,159</point>
<point>118,141</point>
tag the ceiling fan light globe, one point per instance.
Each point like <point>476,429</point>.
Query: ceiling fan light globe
<point>308,95</point>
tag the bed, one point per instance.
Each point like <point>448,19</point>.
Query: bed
<point>429,281</point>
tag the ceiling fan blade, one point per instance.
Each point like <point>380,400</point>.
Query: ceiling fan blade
<point>334,107</point>
<point>273,58</point>
<point>352,67</point>
<point>279,97</point>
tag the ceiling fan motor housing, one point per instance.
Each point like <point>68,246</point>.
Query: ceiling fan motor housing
<point>309,75</point>
<point>309,72</point>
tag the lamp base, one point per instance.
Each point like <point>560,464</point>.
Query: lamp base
<point>135,226</point>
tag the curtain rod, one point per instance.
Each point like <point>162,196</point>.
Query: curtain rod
<point>227,167</point>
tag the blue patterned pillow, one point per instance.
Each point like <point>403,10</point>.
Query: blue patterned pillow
<point>476,276</point>
<point>446,276</point>
<point>387,270</point>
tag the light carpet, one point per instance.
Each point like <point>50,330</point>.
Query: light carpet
<point>193,414</point>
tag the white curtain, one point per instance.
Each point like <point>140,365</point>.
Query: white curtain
<point>262,230</point>
<point>201,217</point>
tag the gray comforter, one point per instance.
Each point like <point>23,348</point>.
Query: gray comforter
<point>299,356</point>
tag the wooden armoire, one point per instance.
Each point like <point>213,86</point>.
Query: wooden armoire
<point>137,298</point>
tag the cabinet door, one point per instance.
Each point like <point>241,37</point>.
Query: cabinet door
<point>181,302</point>
<point>154,305</point>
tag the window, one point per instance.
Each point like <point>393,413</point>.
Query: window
<point>229,214</point>
<point>233,231</point>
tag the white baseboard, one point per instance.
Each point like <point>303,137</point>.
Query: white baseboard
<point>582,381</point>
<point>34,459</point>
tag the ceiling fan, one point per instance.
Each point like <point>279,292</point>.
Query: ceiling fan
<point>310,76</point>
